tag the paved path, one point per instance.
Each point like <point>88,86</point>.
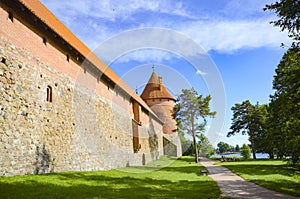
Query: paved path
<point>232,185</point>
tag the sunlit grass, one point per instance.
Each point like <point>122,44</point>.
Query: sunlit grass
<point>272,174</point>
<point>181,179</point>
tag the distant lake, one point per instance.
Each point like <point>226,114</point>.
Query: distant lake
<point>258,155</point>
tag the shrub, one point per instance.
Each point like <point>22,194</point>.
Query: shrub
<point>246,152</point>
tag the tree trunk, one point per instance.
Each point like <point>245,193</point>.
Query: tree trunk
<point>195,142</point>
<point>271,155</point>
<point>252,145</point>
<point>195,148</point>
<point>254,154</point>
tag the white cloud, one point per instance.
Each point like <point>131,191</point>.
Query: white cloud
<point>113,9</point>
<point>146,56</point>
<point>245,8</point>
<point>229,36</point>
<point>199,72</point>
<point>92,22</point>
<point>141,40</point>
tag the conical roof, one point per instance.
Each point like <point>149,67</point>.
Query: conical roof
<point>155,89</point>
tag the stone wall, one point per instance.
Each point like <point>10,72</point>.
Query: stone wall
<point>86,126</point>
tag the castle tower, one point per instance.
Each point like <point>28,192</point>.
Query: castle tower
<point>161,102</point>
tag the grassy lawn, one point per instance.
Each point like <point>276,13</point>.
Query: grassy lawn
<point>180,179</point>
<point>272,174</point>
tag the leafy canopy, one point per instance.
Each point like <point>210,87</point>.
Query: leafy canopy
<point>191,112</point>
<point>288,12</point>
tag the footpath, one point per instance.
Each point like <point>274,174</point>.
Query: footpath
<point>233,186</point>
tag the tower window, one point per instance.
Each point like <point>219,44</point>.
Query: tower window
<point>44,41</point>
<point>10,17</point>
<point>49,94</point>
<point>68,58</point>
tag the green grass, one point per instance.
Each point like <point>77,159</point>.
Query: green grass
<point>180,179</point>
<point>272,174</point>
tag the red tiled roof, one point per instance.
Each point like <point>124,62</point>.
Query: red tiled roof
<point>155,89</point>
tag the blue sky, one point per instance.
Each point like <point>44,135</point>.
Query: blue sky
<point>243,48</point>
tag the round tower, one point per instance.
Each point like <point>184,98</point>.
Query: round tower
<point>161,102</point>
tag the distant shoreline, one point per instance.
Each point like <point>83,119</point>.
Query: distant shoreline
<point>238,154</point>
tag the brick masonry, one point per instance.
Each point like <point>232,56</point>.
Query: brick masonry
<point>87,126</point>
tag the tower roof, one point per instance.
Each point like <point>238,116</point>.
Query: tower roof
<point>155,89</point>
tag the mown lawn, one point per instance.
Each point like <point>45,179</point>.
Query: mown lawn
<point>272,174</point>
<point>180,179</point>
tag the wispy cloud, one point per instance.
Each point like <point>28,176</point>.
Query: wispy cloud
<point>111,10</point>
<point>229,36</point>
<point>199,72</point>
<point>232,26</point>
<point>146,56</point>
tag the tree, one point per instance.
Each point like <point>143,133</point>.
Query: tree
<point>186,145</point>
<point>261,137</point>
<point>283,122</point>
<point>223,147</point>
<point>248,119</point>
<point>190,112</point>
<point>237,148</point>
<point>288,12</point>
<point>206,148</point>
<point>284,115</point>
<point>246,152</point>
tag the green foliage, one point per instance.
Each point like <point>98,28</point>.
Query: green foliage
<point>206,148</point>
<point>191,112</point>
<point>246,152</point>
<point>186,145</point>
<point>181,179</point>
<point>288,12</point>
<point>223,147</point>
<point>271,174</point>
<point>284,115</point>
<point>249,119</point>
<point>237,148</point>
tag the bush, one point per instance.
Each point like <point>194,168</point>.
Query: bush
<point>246,152</point>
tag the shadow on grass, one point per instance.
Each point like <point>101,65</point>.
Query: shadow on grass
<point>187,159</point>
<point>187,170</point>
<point>113,184</point>
<point>96,186</point>
<point>280,178</point>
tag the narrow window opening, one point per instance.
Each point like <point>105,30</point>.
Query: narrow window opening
<point>49,94</point>
<point>3,60</point>
<point>68,58</point>
<point>44,41</point>
<point>10,17</point>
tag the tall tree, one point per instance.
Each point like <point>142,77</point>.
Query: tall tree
<point>206,148</point>
<point>260,137</point>
<point>284,114</point>
<point>288,12</point>
<point>247,119</point>
<point>191,112</point>
<point>223,147</point>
